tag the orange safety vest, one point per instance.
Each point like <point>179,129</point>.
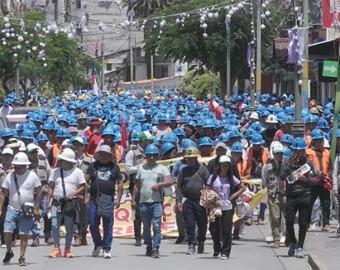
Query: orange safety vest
<point>242,167</point>
<point>325,159</point>
<point>56,150</point>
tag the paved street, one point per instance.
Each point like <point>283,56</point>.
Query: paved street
<point>250,253</point>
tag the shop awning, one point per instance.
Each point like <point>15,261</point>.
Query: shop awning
<point>324,50</point>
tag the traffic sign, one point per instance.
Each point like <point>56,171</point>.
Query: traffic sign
<point>330,69</point>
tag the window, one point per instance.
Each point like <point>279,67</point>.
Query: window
<point>108,67</point>
<point>161,71</point>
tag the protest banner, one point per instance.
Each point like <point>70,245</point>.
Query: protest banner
<point>124,216</point>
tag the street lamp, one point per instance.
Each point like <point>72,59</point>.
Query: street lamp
<point>130,16</point>
<point>101,28</point>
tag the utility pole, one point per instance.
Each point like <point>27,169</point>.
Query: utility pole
<point>298,126</point>
<point>258,50</point>
<point>152,77</point>
<point>131,13</point>
<point>103,67</point>
<point>227,24</point>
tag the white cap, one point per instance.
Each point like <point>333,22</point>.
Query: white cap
<point>22,147</point>
<point>32,147</point>
<point>103,148</point>
<point>277,148</point>
<point>7,151</point>
<point>68,155</point>
<point>21,159</point>
<point>224,159</point>
<point>254,115</point>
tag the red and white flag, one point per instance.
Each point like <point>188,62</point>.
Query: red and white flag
<point>123,133</point>
<point>216,108</point>
<point>95,87</point>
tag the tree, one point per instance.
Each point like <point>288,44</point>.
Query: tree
<point>184,41</point>
<point>43,56</point>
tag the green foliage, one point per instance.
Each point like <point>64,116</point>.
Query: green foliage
<point>200,85</point>
<point>64,63</point>
<point>186,82</point>
<point>2,94</point>
<point>188,44</point>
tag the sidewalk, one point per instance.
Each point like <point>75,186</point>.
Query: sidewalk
<point>321,249</point>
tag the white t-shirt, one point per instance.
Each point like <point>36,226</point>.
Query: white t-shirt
<point>73,179</point>
<point>26,182</point>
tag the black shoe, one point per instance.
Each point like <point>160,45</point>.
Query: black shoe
<point>138,242</point>
<point>180,239</point>
<point>8,257</point>
<point>216,253</point>
<point>155,254</point>
<point>22,261</point>
<point>200,247</point>
<point>148,251</point>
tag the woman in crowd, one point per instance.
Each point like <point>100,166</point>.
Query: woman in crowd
<point>229,188</point>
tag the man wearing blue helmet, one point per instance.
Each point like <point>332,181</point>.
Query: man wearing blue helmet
<point>135,158</point>
<point>151,178</point>
<point>6,109</point>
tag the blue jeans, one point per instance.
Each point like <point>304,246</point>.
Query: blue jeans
<point>151,213</point>
<point>94,221</point>
<point>14,218</point>
<point>47,222</point>
<point>56,218</point>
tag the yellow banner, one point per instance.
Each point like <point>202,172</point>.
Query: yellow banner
<point>123,217</point>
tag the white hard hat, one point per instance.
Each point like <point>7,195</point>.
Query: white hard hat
<point>254,115</point>
<point>271,119</point>
<point>22,147</point>
<point>68,155</point>
<point>32,147</point>
<point>21,159</point>
<point>7,151</point>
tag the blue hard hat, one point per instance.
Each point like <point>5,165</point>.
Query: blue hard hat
<point>223,137</point>
<point>63,133</point>
<point>311,118</point>
<point>135,137</point>
<point>287,152</point>
<point>118,137</point>
<point>108,131</point>
<point>21,127</point>
<point>47,126</point>
<point>151,149</point>
<point>237,148</point>
<point>256,127</point>
<point>235,134</point>
<point>209,123</point>
<point>166,147</point>
<point>205,141</point>
<point>248,133</point>
<point>322,124</point>
<point>6,132</point>
<point>317,134</point>
<point>179,131</point>
<point>27,134</point>
<point>287,138</point>
<point>338,133</point>
<point>288,119</point>
<point>264,113</point>
<point>298,144</point>
<point>42,137</point>
<point>257,139</point>
<point>187,143</point>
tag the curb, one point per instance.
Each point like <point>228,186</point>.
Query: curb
<point>315,262</point>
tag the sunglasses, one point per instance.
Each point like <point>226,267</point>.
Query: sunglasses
<point>153,155</point>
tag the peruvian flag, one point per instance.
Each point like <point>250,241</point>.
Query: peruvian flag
<point>123,133</point>
<point>95,87</point>
<point>216,108</point>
